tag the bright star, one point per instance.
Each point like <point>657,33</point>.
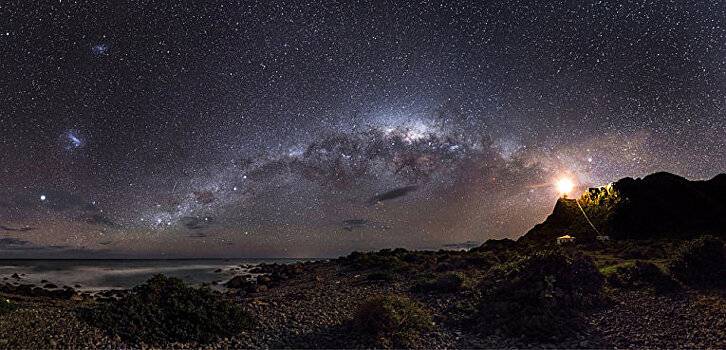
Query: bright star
<point>42,197</point>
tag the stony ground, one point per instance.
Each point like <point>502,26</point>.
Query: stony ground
<point>680,320</point>
<point>313,310</point>
<point>48,324</point>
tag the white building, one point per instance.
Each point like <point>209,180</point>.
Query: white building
<point>566,239</point>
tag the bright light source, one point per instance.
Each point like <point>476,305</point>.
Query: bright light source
<point>42,197</point>
<point>564,186</point>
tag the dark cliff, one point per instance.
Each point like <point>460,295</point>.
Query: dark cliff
<point>661,205</point>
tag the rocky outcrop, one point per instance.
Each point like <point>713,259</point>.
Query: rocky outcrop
<point>31,290</point>
<point>496,245</point>
<point>661,205</point>
<point>557,224</point>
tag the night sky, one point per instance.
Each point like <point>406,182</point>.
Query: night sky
<point>271,128</point>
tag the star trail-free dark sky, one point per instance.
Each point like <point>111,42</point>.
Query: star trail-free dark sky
<point>275,128</point>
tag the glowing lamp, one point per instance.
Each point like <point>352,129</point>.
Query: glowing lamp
<point>564,186</point>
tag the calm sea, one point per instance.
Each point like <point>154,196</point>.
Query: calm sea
<point>94,275</point>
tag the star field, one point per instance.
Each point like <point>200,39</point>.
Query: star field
<point>275,128</point>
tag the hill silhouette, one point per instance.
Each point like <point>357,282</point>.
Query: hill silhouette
<point>660,205</point>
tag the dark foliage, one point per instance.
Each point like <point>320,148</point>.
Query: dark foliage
<point>385,260</point>
<point>381,276</point>
<point>700,263</point>
<point>6,305</point>
<point>461,260</point>
<point>640,249</point>
<point>404,261</point>
<point>447,283</point>
<point>664,205</point>
<point>165,310</point>
<point>484,260</point>
<point>392,321</point>
<point>658,206</point>
<point>539,296</point>
<point>642,275</point>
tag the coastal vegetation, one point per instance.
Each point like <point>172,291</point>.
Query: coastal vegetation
<point>165,310</point>
<point>392,321</point>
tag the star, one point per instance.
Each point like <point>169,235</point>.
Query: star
<point>139,111</point>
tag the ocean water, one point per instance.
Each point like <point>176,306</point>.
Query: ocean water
<point>94,275</point>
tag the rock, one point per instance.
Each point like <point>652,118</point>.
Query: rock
<point>238,282</point>
<point>15,276</point>
<point>50,286</point>
<point>264,280</point>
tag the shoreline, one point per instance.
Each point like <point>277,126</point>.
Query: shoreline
<point>311,305</point>
<point>99,275</point>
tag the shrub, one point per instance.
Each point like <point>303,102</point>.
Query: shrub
<point>612,270</point>
<point>166,310</point>
<point>7,306</point>
<point>700,262</point>
<point>447,283</point>
<point>642,274</point>
<point>380,276</point>
<point>634,253</point>
<point>392,321</point>
<point>482,260</point>
<point>539,296</point>
<point>384,260</point>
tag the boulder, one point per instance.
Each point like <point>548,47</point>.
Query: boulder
<point>264,280</point>
<point>239,282</point>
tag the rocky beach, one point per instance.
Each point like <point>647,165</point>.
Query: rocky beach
<point>313,305</point>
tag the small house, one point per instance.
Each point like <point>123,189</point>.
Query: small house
<point>566,239</point>
<point>603,238</point>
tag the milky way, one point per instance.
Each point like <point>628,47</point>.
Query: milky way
<point>266,128</point>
